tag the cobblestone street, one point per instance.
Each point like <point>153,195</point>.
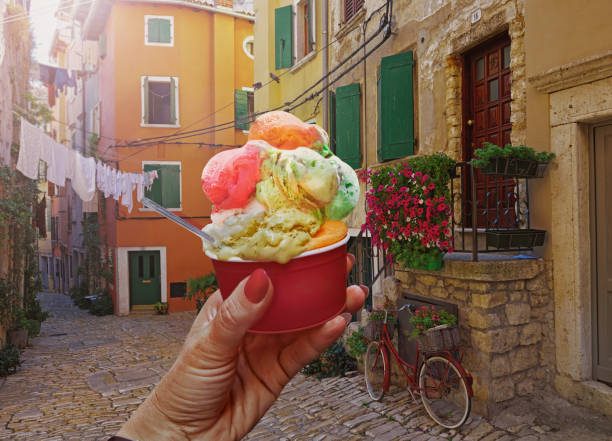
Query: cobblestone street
<point>84,375</point>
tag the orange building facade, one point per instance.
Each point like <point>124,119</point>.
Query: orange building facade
<point>165,67</point>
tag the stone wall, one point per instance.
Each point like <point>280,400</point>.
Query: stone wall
<point>506,322</point>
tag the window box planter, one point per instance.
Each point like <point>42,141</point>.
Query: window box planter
<point>515,238</point>
<point>516,168</point>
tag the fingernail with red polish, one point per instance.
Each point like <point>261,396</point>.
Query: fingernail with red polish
<point>365,289</point>
<point>347,317</point>
<point>257,286</point>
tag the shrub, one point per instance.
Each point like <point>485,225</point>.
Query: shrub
<point>491,151</point>
<point>334,362</point>
<point>102,305</point>
<point>33,326</point>
<point>161,308</point>
<point>201,288</point>
<point>409,210</point>
<point>78,294</point>
<point>357,343</point>
<point>9,360</point>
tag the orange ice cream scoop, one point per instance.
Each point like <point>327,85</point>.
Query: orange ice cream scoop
<point>330,232</point>
<point>285,131</point>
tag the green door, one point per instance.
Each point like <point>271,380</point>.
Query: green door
<point>145,286</point>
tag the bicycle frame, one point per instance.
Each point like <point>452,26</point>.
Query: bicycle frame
<point>403,364</point>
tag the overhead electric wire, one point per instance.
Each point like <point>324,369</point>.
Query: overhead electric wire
<point>288,105</point>
<point>231,124</point>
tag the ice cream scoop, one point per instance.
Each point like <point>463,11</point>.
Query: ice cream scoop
<point>272,196</point>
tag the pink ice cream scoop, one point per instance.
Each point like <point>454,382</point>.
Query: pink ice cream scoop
<point>229,178</point>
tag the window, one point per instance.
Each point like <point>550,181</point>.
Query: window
<point>248,46</point>
<point>283,37</point>
<point>305,28</point>
<point>395,107</point>
<point>346,132</point>
<point>351,8</point>
<point>178,290</point>
<point>159,30</point>
<point>166,189</point>
<point>160,101</point>
<point>94,120</point>
<point>244,107</point>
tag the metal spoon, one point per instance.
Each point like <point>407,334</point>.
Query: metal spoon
<point>176,219</point>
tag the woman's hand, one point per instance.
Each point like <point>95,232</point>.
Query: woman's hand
<point>225,379</point>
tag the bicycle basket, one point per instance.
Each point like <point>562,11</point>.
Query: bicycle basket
<point>374,328</point>
<point>440,339</point>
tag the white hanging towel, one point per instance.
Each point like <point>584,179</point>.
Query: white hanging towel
<point>116,184</point>
<point>100,176</point>
<point>46,149</point>
<point>70,160</point>
<point>140,184</point>
<point>56,172</point>
<point>29,149</point>
<point>84,181</point>
<point>128,181</point>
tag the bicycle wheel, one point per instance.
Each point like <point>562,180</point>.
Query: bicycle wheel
<point>444,392</point>
<point>376,365</point>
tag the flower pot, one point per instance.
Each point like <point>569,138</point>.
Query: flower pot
<point>18,337</point>
<point>515,168</point>
<point>374,329</point>
<point>440,338</point>
<point>309,290</point>
<point>515,238</point>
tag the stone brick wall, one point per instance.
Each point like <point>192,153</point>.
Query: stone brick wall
<point>506,322</point>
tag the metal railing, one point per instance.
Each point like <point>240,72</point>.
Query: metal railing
<point>484,203</point>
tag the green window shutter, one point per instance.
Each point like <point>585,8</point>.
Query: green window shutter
<point>309,19</point>
<point>155,193</point>
<point>332,120</point>
<point>171,186</point>
<point>145,97</point>
<point>241,109</point>
<point>396,107</point>
<point>173,106</point>
<point>102,45</point>
<point>283,36</point>
<point>153,30</point>
<point>348,124</point>
<point>165,31</point>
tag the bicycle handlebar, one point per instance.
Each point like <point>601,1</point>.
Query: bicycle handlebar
<point>408,306</point>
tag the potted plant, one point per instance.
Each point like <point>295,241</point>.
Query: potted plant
<point>375,320</point>
<point>9,360</point>
<point>18,335</point>
<point>161,308</point>
<point>409,210</point>
<point>436,329</point>
<point>512,161</point>
<point>201,288</point>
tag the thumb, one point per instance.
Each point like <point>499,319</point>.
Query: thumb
<point>241,310</point>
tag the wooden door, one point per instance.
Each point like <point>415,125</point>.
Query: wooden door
<point>486,111</point>
<point>603,244</point>
<point>145,286</point>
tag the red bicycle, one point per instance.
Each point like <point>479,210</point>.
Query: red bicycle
<point>438,378</point>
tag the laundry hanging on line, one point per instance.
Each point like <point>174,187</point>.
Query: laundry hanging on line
<point>57,79</point>
<point>85,173</point>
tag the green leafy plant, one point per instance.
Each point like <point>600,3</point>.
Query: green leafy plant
<point>9,360</point>
<point>32,326</point>
<point>334,362</point>
<point>102,304</point>
<point>78,295</point>
<point>491,151</point>
<point>426,318</point>
<point>161,308</point>
<point>357,343</point>
<point>409,210</point>
<point>378,314</point>
<point>201,288</point>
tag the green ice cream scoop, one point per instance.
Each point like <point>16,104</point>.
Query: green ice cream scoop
<point>348,191</point>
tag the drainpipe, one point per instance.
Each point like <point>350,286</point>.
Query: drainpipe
<point>324,11</point>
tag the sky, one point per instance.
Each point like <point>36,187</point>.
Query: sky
<point>43,24</point>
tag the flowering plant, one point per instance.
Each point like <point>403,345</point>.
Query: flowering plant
<point>408,210</point>
<point>426,318</point>
<point>378,314</point>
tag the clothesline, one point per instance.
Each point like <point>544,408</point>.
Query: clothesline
<point>86,173</point>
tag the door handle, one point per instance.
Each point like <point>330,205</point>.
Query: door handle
<point>146,281</point>
<point>470,123</point>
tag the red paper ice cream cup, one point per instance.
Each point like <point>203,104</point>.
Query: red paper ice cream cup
<point>309,290</point>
